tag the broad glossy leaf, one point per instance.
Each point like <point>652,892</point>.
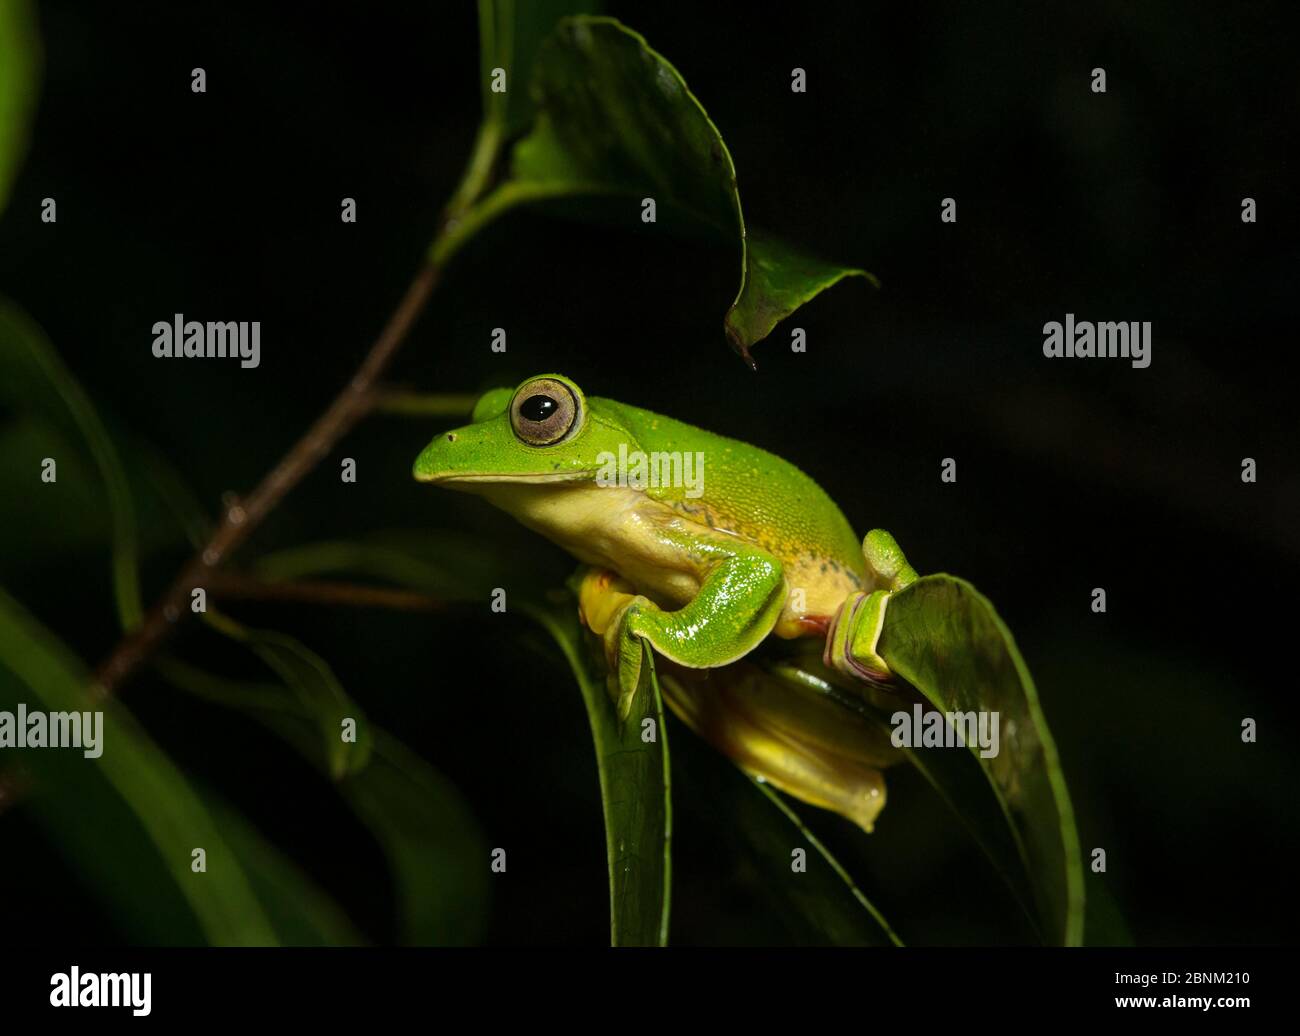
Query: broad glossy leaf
<point>778,279</point>
<point>509,34</point>
<point>154,816</point>
<point>955,776</point>
<point>510,31</point>
<point>616,118</point>
<point>20,61</point>
<point>946,640</point>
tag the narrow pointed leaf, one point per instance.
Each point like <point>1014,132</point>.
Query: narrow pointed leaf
<point>433,845</point>
<point>20,62</point>
<point>635,787</point>
<point>132,779</point>
<point>33,379</point>
<point>319,694</point>
<point>299,910</point>
<point>633,774</point>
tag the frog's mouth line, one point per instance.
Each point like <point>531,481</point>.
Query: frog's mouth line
<point>533,478</point>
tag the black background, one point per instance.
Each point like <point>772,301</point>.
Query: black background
<point>1071,474</point>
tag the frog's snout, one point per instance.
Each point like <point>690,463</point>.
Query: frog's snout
<point>433,459</point>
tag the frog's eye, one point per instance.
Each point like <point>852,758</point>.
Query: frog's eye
<point>544,411</point>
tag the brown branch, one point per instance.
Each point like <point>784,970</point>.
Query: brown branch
<point>235,586</point>
<point>243,516</point>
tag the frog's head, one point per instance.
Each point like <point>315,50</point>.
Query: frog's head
<point>543,431</point>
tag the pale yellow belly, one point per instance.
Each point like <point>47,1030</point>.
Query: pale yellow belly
<point>650,546</point>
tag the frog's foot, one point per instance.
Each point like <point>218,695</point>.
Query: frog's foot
<point>851,642</point>
<point>606,603</point>
<point>625,652</point>
<point>854,633</point>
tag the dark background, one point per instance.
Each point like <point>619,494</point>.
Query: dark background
<point>1071,474</point>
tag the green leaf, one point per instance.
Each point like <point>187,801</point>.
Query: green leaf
<point>435,851</point>
<point>509,34</point>
<point>320,696</point>
<point>616,118</point>
<point>34,380</point>
<point>301,913</point>
<point>1105,924</point>
<point>633,774</point>
<point>635,788</point>
<point>946,640</point>
<point>437,854</point>
<point>510,31</point>
<point>134,783</point>
<point>821,906</point>
<point>955,776</point>
<point>777,281</point>
<point>44,521</point>
<point>817,902</point>
<point>20,62</point>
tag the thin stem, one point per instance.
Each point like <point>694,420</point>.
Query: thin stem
<point>423,404</point>
<point>243,516</point>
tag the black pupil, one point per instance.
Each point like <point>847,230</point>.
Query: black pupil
<point>538,408</point>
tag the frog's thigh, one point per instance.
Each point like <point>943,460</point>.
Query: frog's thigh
<point>851,643</point>
<point>728,712</point>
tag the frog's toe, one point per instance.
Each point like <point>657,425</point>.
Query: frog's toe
<point>624,652</point>
<point>851,643</point>
<point>885,561</point>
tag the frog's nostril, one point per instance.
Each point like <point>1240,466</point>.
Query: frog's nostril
<point>451,436</point>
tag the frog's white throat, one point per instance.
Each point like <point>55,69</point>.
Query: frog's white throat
<point>588,520</point>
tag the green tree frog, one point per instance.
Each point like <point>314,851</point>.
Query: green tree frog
<point>702,547</point>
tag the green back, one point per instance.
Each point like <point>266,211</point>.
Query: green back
<point>747,490</point>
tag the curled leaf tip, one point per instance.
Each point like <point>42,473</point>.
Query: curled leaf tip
<point>738,344</point>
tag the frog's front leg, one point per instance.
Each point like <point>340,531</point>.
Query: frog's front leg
<point>738,603</point>
<point>855,631</point>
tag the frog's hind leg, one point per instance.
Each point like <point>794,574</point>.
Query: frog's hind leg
<point>741,594</point>
<point>810,748</point>
<point>854,634</point>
